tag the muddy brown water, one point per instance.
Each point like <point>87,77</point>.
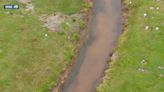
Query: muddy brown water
<point>104,29</point>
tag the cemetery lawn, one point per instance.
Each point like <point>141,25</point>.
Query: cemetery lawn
<point>29,60</point>
<point>138,62</point>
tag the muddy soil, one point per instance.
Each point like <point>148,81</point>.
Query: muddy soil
<point>105,27</point>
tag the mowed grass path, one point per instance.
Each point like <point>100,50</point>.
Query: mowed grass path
<point>29,60</point>
<point>138,64</point>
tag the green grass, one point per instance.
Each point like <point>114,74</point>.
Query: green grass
<point>137,44</point>
<point>64,6</point>
<point>29,61</point>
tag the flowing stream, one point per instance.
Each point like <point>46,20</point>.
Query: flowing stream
<point>104,29</point>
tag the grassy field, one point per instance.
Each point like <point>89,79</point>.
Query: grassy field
<point>29,60</point>
<point>64,6</point>
<point>138,62</point>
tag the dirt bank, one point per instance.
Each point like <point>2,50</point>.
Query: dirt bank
<point>114,54</point>
<point>125,14</point>
<point>65,74</point>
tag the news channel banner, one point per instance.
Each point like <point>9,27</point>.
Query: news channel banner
<point>10,6</point>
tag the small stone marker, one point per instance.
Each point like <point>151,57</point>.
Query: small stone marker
<point>146,27</point>
<point>46,35</point>
<point>130,2</point>
<point>156,28</point>
<point>151,8</point>
<point>141,69</point>
<point>157,8</point>
<point>143,62</point>
<point>145,14</point>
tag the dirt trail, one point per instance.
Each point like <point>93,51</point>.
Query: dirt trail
<point>105,27</point>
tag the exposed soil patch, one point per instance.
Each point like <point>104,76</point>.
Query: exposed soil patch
<point>125,14</point>
<point>53,22</point>
<point>59,22</point>
<point>29,6</point>
<point>24,1</point>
